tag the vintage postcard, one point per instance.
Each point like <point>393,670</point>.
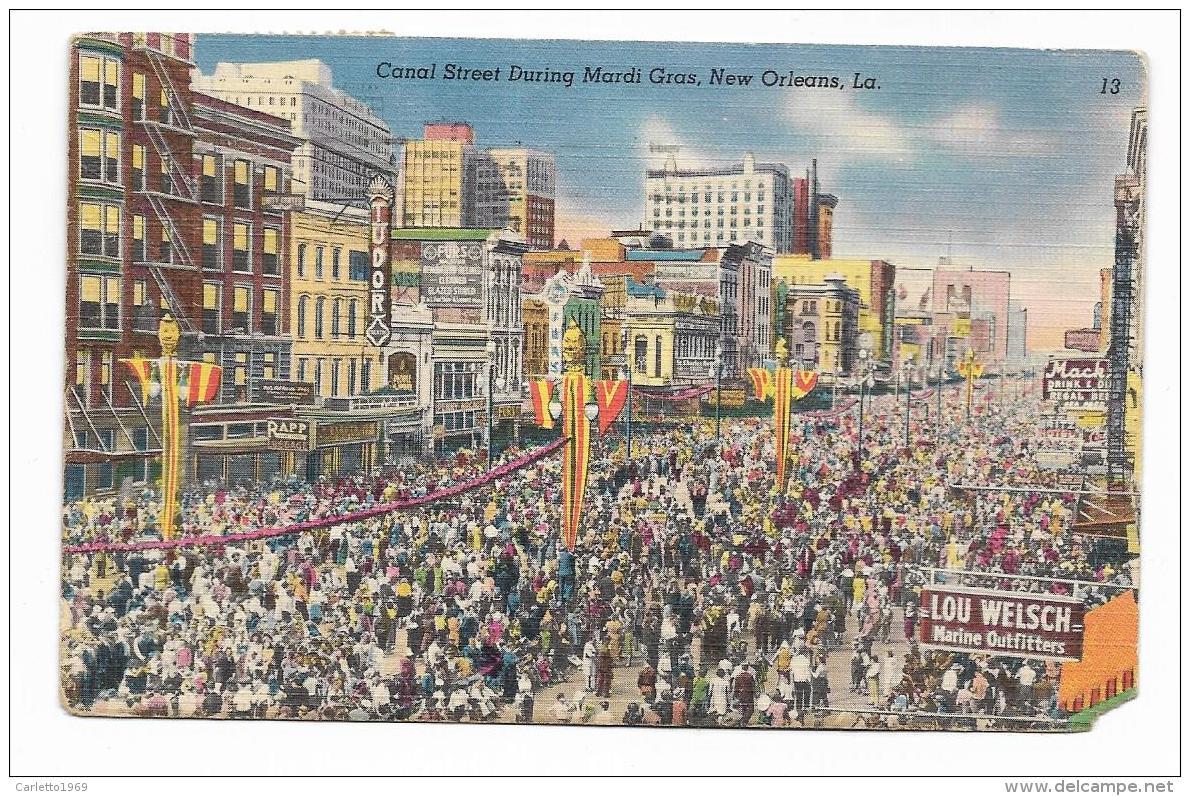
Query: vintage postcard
<point>601,383</point>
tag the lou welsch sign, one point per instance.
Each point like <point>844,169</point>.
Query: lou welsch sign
<point>1018,624</point>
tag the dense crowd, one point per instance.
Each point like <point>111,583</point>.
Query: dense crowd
<point>720,602</point>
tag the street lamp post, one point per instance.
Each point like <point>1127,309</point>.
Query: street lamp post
<point>907,368</point>
<point>863,378</point>
<point>941,419</point>
<point>628,408</point>
<point>491,389</point>
<point>718,374</point>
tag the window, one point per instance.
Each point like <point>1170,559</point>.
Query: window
<point>351,377</point>
<point>99,82</point>
<point>352,310</point>
<point>99,230</point>
<point>241,254</point>
<point>269,318</point>
<point>302,308</point>
<point>212,306</point>
<point>365,375</point>
<point>318,377</point>
<point>241,369</point>
<point>301,261</point>
<point>270,365</point>
<point>138,96</point>
<point>336,253</point>
<point>167,182</point>
<point>167,249</point>
<point>319,312</point>
<point>212,182</point>
<point>270,261</point>
<point>303,365</point>
<point>336,364</point>
<point>657,357</point>
<point>82,367</point>
<point>336,317</point>
<point>144,316</point>
<point>242,195</point>
<point>318,252</point>
<point>163,112</point>
<point>272,179</point>
<point>139,252</point>
<point>99,155</point>
<point>99,302</point>
<point>212,252</point>
<point>241,308</point>
<point>138,168</point>
<point>641,353</point>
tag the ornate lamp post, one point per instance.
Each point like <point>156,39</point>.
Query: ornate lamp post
<point>971,369</point>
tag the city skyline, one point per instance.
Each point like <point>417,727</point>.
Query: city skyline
<point>895,155</point>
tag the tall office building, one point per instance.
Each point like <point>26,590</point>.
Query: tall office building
<point>438,176</point>
<point>748,201</point>
<point>514,189</point>
<point>813,216</point>
<point>344,143</point>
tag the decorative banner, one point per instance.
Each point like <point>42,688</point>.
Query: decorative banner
<point>577,430</point>
<point>762,382</point>
<point>171,438</point>
<point>610,396</point>
<point>804,382</point>
<point>211,540</point>
<point>1017,624</point>
<point>782,403</point>
<point>143,370</point>
<point>202,381</point>
<point>541,390</point>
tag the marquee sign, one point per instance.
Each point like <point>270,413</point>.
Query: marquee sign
<point>285,434</point>
<point>379,330</point>
<point>1017,624</point>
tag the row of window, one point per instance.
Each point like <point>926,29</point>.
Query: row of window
<point>241,247</point>
<point>358,263</point>
<point>680,198</point>
<point>241,309</point>
<point>353,327</point>
<point>454,380</point>
<point>307,373</point>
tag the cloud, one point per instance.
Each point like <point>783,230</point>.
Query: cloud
<point>978,130</point>
<point>860,133</point>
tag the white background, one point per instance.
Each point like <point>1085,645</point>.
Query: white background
<point>1139,739</point>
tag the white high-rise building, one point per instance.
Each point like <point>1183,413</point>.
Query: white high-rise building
<point>345,144</point>
<point>747,201</point>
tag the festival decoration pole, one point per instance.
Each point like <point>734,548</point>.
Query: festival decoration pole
<point>782,404</point>
<point>971,369</point>
<point>576,428</point>
<point>168,334</point>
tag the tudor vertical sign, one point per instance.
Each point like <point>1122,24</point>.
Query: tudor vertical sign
<point>380,198</point>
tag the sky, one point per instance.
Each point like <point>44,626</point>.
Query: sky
<point>1000,159</point>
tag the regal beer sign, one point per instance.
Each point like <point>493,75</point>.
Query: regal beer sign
<point>989,622</point>
<point>380,195</point>
<point>1075,380</point>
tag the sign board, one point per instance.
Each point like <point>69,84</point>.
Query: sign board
<point>508,412</point>
<point>1082,339</point>
<point>1075,380</point>
<point>402,372</point>
<point>379,330</point>
<point>284,202</point>
<point>286,434</point>
<point>347,432</point>
<point>452,274</point>
<point>279,391</point>
<point>1006,623</point>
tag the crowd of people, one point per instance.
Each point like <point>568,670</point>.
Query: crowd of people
<point>712,598</point>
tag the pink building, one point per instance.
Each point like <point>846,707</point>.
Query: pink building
<point>982,296</point>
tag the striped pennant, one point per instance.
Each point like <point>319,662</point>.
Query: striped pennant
<point>610,395</point>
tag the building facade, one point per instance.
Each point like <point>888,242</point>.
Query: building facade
<point>983,297</point>
<point>438,177</point>
<point>821,325</point>
<point>343,143</point>
<point>709,207</point>
<point>514,190</point>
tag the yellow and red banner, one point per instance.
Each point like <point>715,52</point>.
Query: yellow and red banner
<point>540,391</point>
<point>783,399</point>
<point>804,382</point>
<point>202,382</point>
<point>143,370</point>
<point>577,431</point>
<point>762,382</point>
<point>171,438</point>
<point>610,395</point>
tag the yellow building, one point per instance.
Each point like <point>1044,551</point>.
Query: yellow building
<point>874,279</point>
<point>439,177</point>
<point>820,326</point>
<point>329,269</point>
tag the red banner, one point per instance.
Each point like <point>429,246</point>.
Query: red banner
<point>762,382</point>
<point>610,395</point>
<point>804,382</point>
<point>1010,623</point>
<point>541,390</point>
